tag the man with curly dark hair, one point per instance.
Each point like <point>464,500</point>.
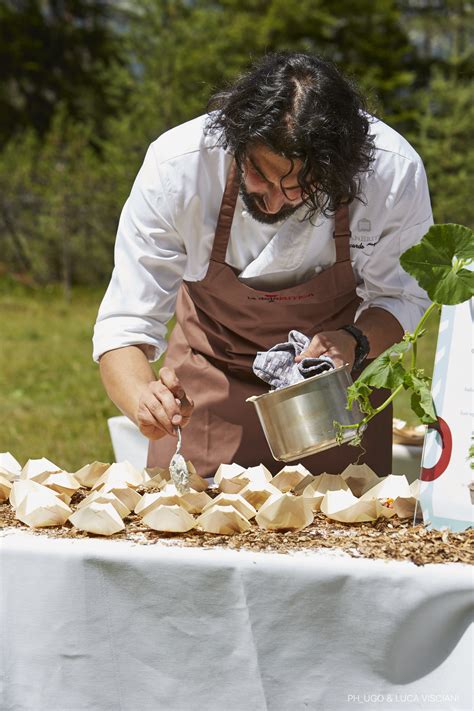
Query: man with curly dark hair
<point>286,207</point>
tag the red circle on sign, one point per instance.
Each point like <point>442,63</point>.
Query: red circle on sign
<point>432,473</point>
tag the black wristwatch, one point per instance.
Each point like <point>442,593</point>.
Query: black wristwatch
<point>362,347</point>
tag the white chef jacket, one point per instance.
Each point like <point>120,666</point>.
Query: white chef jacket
<point>167,227</point>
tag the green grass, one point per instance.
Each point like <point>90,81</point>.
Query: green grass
<point>52,403</point>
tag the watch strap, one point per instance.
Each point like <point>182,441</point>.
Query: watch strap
<point>362,344</point>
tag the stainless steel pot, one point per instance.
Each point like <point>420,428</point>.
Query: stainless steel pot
<point>298,420</point>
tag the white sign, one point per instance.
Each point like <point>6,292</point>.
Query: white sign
<point>446,496</point>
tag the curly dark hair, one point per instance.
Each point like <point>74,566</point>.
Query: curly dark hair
<point>300,107</point>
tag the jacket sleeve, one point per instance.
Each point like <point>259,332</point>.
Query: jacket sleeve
<point>150,259</point>
<point>382,281</point>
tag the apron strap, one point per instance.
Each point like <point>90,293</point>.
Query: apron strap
<point>226,215</point>
<point>342,233</point>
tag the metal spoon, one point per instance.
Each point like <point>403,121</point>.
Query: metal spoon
<point>178,468</point>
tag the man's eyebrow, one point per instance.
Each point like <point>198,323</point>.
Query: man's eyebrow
<point>262,175</point>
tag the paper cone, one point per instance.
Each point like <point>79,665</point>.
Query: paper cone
<point>21,488</point>
<point>152,501</point>
<point>8,475</point>
<point>299,488</point>
<point>285,513</point>
<point>63,497</point>
<point>101,497</point>
<point>289,477</point>
<point>230,478</point>
<point>257,494</point>
<point>158,477</point>
<point>158,471</point>
<point>320,485</point>
<point>5,488</point>
<point>39,509</point>
<point>101,519</point>
<point>359,478</point>
<point>63,483</point>
<point>195,501</point>
<point>89,474</point>
<point>222,519</point>
<point>10,464</point>
<point>120,474</point>
<point>126,494</point>
<point>38,469</point>
<point>345,507</point>
<point>196,482</point>
<point>172,519</point>
<point>235,500</point>
<point>405,507</point>
<point>228,471</point>
<point>390,487</point>
<point>258,475</point>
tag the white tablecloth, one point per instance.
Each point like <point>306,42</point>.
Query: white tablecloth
<point>92,625</point>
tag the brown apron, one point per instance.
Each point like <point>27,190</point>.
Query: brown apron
<point>222,323</point>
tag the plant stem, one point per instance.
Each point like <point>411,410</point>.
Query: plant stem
<point>413,338</point>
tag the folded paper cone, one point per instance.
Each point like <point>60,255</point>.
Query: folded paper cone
<point>390,487</point>
<point>289,477</point>
<point>21,488</point>
<point>230,478</point>
<point>285,513</point>
<point>322,484</point>
<point>196,482</point>
<point>126,494</point>
<point>257,494</point>
<point>38,469</point>
<point>10,464</point>
<point>222,519</point>
<point>39,509</point>
<point>5,488</point>
<point>195,501</point>
<point>359,478</point>
<point>405,507</point>
<point>102,497</point>
<point>101,519</point>
<point>299,488</point>
<point>149,502</point>
<point>172,519</point>
<point>235,500</point>
<point>228,471</point>
<point>122,473</point>
<point>9,475</point>
<point>158,471</point>
<point>258,475</point>
<point>89,474</point>
<point>63,483</point>
<point>345,507</point>
<point>158,477</point>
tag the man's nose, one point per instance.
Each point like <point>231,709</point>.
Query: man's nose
<point>274,201</point>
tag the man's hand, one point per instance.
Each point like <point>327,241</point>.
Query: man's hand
<point>338,345</point>
<point>163,405</point>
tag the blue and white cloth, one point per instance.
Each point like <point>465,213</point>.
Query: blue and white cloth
<point>277,366</point>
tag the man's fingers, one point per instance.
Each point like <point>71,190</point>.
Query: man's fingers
<point>169,378</point>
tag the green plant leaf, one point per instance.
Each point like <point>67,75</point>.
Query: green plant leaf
<point>386,371</point>
<point>421,400</point>
<point>438,263</point>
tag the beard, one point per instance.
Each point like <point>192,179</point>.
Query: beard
<point>252,201</point>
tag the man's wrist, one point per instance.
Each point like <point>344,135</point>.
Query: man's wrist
<point>362,348</point>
